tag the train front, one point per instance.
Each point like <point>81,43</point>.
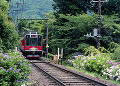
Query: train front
<point>33,45</point>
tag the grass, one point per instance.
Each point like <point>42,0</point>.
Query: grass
<point>44,58</point>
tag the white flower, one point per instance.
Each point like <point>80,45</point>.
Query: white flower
<point>104,73</point>
<point>109,70</point>
<point>93,58</point>
<point>103,65</point>
<point>82,64</point>
<point>116,74</point>
<point>117,79</point>
<point>85,61</point>
<point>99,61</point>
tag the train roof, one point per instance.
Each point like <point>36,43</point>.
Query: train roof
<point>33,33</point>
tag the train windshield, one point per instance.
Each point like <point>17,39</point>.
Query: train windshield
<point>33,41</point>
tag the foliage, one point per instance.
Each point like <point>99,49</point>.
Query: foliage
<point>82,6</point>
<point>8,34</point>
<point>50,55</point>
<point>116,55</point>
<point>14,69</point>
<point>4,5</point>
<point>1,46</point>
<point>103,50</point>
<point>112,47</point>
<point>91,51</point>
<point>68,32</point>
<point>109,8</point>
<point>26,26</point>
<point>91,63</point>
<point>101,64</point>
<point>69,63</point>
<point>32,9</point>
<point>110,30</point>
<point>82,46</point>
<point>112,72</point>
<point>71,7</point>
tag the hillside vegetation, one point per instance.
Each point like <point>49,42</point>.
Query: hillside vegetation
<point>31,8</point>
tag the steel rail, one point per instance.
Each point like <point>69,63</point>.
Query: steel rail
<point>88,78</point>
<point>60,83</point>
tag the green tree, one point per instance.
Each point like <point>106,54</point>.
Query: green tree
<point>32,8</point>
<point>8,33</point>
<point>81,6</point>
<point>68,32</point>
<point>71,7</point>
<point>110,30</point>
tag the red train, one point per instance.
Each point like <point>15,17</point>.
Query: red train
<point>32,45</point>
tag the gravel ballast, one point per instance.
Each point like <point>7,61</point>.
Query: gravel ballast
<point>38,78</point>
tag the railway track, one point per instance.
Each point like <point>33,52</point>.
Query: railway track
<point>39,78</point>
<point>64,77</point>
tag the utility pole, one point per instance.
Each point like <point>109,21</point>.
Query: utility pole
<point>99,23</point>
<point>47,40</point>
<point>99,20</point>
<point>18,4</point>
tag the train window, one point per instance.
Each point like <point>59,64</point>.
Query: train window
<point>39,40</point>
<point>33,41</point>
<point>27,40</point>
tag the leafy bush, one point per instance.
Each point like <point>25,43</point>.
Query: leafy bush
<point>14,69</point>
<point>101,63</point>
<point>116,55</point>
<point>92,63</point>
<point>69,62</point>
<point>50,55</point>
<point>8,33</point>
<point>95,62</point>
<point>112,72</point>
<point>82,46</point>
<point>91,51</point>
<point>1,45</point>
<point>112,47</point>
